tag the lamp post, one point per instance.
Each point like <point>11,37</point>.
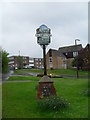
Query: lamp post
<point>76,41</point>
<point>46,87</point>
<point>77,59</point>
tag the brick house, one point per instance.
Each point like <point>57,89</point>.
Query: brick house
<point>70,52</point>
<point>38,62</point>
<point>55,59</point>
<point>18,61</point>
<point>63,57</point>
<point>21,61</point>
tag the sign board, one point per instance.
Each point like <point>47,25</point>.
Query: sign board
<point>43,35</point>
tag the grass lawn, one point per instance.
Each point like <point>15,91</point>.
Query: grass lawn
<point>54,72</point>
<point>0,101</point>
<point>19,99</point>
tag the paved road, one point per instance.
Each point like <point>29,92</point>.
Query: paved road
<point>26,74</point>
<point>6,76</point>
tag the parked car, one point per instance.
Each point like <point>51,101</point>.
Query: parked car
<point>27,67</point>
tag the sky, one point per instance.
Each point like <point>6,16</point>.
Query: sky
<point>67,20</point>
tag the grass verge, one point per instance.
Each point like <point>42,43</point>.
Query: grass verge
<point>24,78</point>
<point>19,99</point>
<point>54,72</point>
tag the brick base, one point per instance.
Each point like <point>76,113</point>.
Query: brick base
<point>45,88</point>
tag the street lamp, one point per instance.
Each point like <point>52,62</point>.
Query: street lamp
<point>46,87</point>
<point>76,41</point>
<point>77,59</point>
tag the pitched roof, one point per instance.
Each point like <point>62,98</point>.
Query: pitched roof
<point>58,53</point>
<point>72,48</point>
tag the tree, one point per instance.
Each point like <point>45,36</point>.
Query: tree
<point>85,55</point>
<point>78,62</point>
<point>83,58</point>
<point>5,61</point>
<point>20,62</point>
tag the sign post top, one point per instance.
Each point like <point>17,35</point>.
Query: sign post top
<point>43,26</point>
<point>43,34</point>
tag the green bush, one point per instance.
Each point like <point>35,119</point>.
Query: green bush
<point>86,92</point>
<point>52,103</point>
<point>5,61</point>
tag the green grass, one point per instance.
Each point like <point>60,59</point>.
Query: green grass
<point>24,78</point>
<point>0,101</point>
<point>67,71</point>
<point>54,72</point>
<point>22,71</point>
<point>19,99</point>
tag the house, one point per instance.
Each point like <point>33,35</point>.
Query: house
<point>36,62</point>
<point>70,52</point>
<point>55,60</point>
<point>16,62</point>
<point>63,57</point>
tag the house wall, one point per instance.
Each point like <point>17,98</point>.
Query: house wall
<point>38,62</point>
<point>69,63</point>
<point>14,61</point>
<point>54,61</point>
<point>57,62</point>
<point>62,63</point>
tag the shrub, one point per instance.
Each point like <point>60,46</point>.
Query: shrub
<point>86,92</point>
<point>52,103</point>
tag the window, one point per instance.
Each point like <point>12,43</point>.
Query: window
<point>75,54</point>
<point>36,62</point>
<point>50,53</point>
<point>11,58</point>
<point>66,53</point>
<point>11,62</point>
<point>50,65</point>
<point>36,59</point>
<point>40,63</point>
<point>50,59</point>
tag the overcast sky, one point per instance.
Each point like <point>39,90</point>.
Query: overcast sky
<point>67,21</point>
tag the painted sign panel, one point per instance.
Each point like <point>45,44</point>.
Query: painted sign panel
<point>43,35</point>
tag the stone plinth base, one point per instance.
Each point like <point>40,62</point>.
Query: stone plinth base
<point>45,88</point>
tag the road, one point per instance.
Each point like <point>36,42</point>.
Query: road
<point>6,76</point>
